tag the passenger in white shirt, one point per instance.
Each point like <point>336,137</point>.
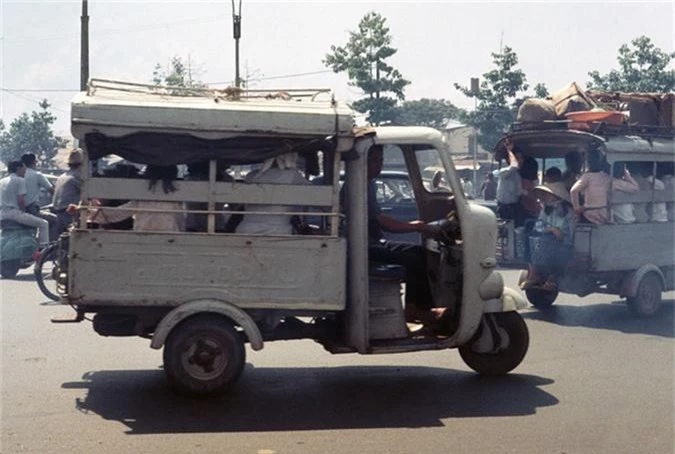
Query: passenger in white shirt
<point>35,181</point>
<point>278,170</point>
<point>623,213</point>
<point>657,209</point>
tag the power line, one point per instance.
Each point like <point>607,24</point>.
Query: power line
<point>26,98</point>
<point>75,90</point>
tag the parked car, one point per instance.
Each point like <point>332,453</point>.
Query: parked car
<point>396,199</point>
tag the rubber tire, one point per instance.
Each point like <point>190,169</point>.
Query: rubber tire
<point>541,299</point>
<point>647,299</point>
<point>214,330</point>
<point>505,361</point>
<point>47,258</point>
<point>10,268</point>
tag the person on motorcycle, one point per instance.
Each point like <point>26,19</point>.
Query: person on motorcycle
<point>67,190</point>
<point>13,202</point>
<point>34,182</point>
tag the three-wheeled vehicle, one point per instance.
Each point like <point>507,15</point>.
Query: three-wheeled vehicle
<point>633,260</point>
<point>203,295</point>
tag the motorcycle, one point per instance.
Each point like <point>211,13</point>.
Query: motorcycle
<point>18,246</point>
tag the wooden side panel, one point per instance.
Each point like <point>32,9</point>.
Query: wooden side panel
<point>149,269</point>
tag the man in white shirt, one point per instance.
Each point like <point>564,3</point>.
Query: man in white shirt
<point>659,213</point>
<point>35,181</point>
<point>509,186</point>
<point>13,201</point>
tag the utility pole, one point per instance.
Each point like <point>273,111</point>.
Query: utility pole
<point>84,47</point>
<point>475,89</point>
<point>236,31</point>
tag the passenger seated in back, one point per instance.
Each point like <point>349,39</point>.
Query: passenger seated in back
<point>665,171</point>
<point>594,185</point>
<point>147,221</point>
<point>278,170</point>
<point>623,213</point>
<point>657,210</point>
<point>196,222</point>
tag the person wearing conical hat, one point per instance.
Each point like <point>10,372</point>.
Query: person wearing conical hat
<point>553,248</point>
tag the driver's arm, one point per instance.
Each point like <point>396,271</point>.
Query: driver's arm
<point>393,225</point>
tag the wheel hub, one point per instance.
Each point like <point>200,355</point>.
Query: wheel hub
<point>205,358</point>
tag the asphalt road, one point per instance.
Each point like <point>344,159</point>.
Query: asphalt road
<point>595,381</point>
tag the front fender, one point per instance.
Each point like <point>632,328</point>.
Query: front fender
<point>186,310</point>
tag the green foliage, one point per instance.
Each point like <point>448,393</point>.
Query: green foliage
<point>497,98</point>
<point>177,74</point>
<point>364,59</point>
<point>643,67</point>
<point>31,134</point>
<point>540,91</point>
<point>434,113</point>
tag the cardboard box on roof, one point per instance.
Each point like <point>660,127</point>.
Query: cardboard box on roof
<point>571,98</point>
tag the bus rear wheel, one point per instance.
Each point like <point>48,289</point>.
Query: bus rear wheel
<point>647,299</point>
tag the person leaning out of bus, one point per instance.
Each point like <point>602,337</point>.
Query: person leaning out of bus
<point>554,229</point>
<point>509,185</point>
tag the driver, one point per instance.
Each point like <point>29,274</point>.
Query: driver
<point>418,298</point>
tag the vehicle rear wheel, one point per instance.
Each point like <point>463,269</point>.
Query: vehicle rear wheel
<point>647,299</point>
<point>46,272</point>
<point>203,355</point>
<point>541,299</point>
<point>9,268</point>
<point>514,340</point>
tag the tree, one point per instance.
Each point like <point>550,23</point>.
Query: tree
<point>434,113</point>
<point>31,134</point>
<point>364,59</point>
<point>497,98</point>
<point>643,67</point>
<point>178,74</point>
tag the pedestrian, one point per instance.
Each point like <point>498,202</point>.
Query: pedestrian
<point>489,187</point>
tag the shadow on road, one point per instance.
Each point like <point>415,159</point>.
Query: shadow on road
<point>283,399</point>
<point>614,316</point>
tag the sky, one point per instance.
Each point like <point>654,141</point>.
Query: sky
<point>283,43</point>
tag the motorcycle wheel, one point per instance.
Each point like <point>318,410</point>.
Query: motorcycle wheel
<point>9,268</point>
<point>46,271</point>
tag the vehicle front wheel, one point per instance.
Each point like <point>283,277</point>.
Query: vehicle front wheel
<point>203,355</point>
<point>647,299</point>
<point>9,268</point>
<point>46,272</point>
<point>508,351</point>
<point>541,299</point>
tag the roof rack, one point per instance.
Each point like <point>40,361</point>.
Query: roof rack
<point>107,87</point>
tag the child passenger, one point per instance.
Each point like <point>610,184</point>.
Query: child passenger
<point>554,226</point>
